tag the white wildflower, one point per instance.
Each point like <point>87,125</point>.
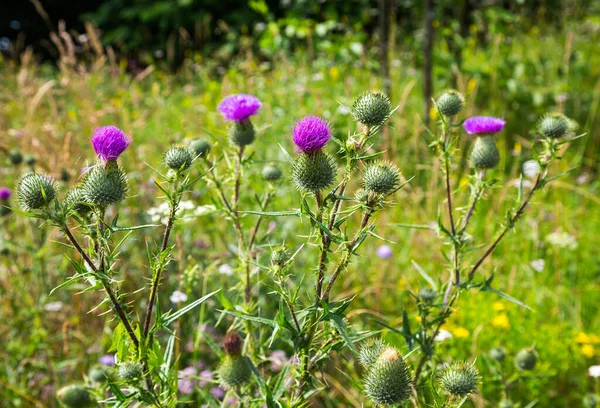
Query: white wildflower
<point>594,371</point>
<point>225,269</point>
<point>562,240</point>
<point>531,168</point>
<point>538,265</point>
<point>177,297</point>
<point>443,335</point>
<point>53,306</point>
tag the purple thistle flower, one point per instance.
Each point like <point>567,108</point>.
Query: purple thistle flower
<point>107,359</point>
<point>109,142</point>
<point>239,107</point>
<point>311,134</point>
<point>5,193</point>
<point>384,251</point>
<point>217,392</point>
<point>185,381</point>
<point>483,124</point>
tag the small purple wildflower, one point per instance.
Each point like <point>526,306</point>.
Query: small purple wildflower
<point>185,382</point>
<point>217,392</point>
<point>109,142</point>
<point>107,359</point>
<point>384,251</point>
<point>278,360</point>
<point>483,124</point>
<point>239,107</point>
<point>5,193</point>
<point>206,376</point>
<point>311,133</point>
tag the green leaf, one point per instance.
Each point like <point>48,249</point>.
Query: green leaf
<point>262,320</point>
<point>296,213</point>
<point>168,319</point>
<point>425,275</point>
<point>487,288</point>
<point>338,323</point>
<point>265,391</point>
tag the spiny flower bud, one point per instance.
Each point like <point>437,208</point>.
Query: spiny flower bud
<point>235,371</point>
<point>16,157</point>
<point>428,295</point>
<point>313,171</point>
<point>554,125</point>
<point>35,191</point>
<point>485,154</point>
<point>381,178</point>
<point>370,351</point>
<point>242,133</point>
<point>64,175</point>
<point>591,401</point>
<point>280,256</point>
<point>498,353</point>
<point>459,379</point>
<point>99,373</point>
<point>75,396</point>
<point>104,186</point>
<point>450,102</point>
<point>232,344</point>
<point>372,108</point>
<point>201,147</point>
<point>75,200</point>
<point>388,381</point>
<point>179,158</point>
<point>130,371</point>
<point>271,172</point>
<point>526,359</point>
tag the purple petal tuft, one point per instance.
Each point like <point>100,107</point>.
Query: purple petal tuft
<point>483,124</point>
<point>239,107</point>
<point>109,142</point>
<point>311,133</point>
<point>5,193</point>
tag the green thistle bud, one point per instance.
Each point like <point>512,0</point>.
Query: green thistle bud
<point>75,396</point>
<point>388,381</point>
<point>313,171</point>
<point>498,353</point>
<point>459,379</point>
<point>381,178</point>
<point>201,147</point>
<point>280,256</point>
<point>30,160</point>
<point>16,157</point>
<point>591,401</point>
<point>64,175</point>
<point>505,404</point>
<point>35,191</point>
<point>104,186</point>
<point>242,133</point>
<point>75,200</point>
<point>372,108</point>
<point>130,371</point>
<point>428,295</point>
<point>526,359</point>
<point>99,374</point>
<point>370,351</point>
<point>450,102</point>
<point>554,125</point>
<point>179,158</point>
<point>271,172</point>
<point>235,371</point>
<point>485,154</point>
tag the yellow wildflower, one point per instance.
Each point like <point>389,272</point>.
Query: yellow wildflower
<point>460,332</point>
<point>588,350</point>
<point>501,321</point>
<point>334,73</point>
<point>498,306</point>
<point>582,338</point>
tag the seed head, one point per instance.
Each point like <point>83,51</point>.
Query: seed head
<point>179,158</point>
<point>459,379</point>
<point>35,191</point>
<point>381,178</point>
<point>554,125</point>
<point>450,102</point>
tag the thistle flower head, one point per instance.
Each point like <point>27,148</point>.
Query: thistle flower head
<point>201,147</point>
<point>35,191</point>
<point>5,193</point>
<point>99,373</point>
<point>179,158</point>
<point>381,178</point>
<point>104,186</point>
<point>232,344</point>
<point>311,133</point>
<point>235,371</point>
<point>483,124</point>
<point>554,125</point>
<point>130,371</point>
<point>75,200</point>
<point>16,157</point>
<point>370,351</point>
<point>428,295</point>
<point>372,108</point>
<point>459,379</point>
<point>388,380</point>
<point>75,396</point>
<point>313,171</point>
<point>239,107</point>
<point>271,172</point>
<point>280,255</point>
<point>450,102</point>
<point>485,153</point>
<point>526,359</point>
<point>498,353</point>
<point>242,133</point>
<point>109,142</point>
